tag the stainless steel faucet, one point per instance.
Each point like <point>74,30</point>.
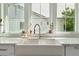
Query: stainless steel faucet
<point>39,29</point>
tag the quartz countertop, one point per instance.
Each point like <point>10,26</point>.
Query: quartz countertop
<point>5,40</point>
<point>30,41</point>
<point>36,41</point>
<point>68,41</point>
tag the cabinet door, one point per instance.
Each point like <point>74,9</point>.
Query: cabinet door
<point>72,50</point>
<point>7,49</point>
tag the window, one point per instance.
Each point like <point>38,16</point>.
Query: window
<point>40,15</point>
<point>41,8</point>
<point>16,17</point>
<point>16,11</point>
<point>65,17</point>
<point>44,14</point>
<point>13,17</point>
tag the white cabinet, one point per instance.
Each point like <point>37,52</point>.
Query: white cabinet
<point>7,49</point>
<point>72,50</point>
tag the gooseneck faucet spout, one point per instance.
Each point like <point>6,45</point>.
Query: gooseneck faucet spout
<point>35,30</point>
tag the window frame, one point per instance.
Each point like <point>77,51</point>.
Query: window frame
<point>75,19</point>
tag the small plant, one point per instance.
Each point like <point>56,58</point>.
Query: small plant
<point>23,32</point>
<point>0,20</point>
<point>50,26</point>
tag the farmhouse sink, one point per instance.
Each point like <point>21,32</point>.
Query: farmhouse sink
<point>41,41</point>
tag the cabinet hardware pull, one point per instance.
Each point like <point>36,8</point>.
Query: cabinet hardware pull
<point>76,47</point>
<point>3,49</point>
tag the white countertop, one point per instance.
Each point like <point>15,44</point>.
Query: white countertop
<point>25,41</point>
<point>68,41</point>
<point>35,41</point>
<point>4,40</point>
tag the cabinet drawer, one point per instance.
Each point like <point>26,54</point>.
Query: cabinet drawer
<point>72,50</point>
<point>7,49</point>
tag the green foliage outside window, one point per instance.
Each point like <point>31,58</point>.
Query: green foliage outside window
<point>69,19</point>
